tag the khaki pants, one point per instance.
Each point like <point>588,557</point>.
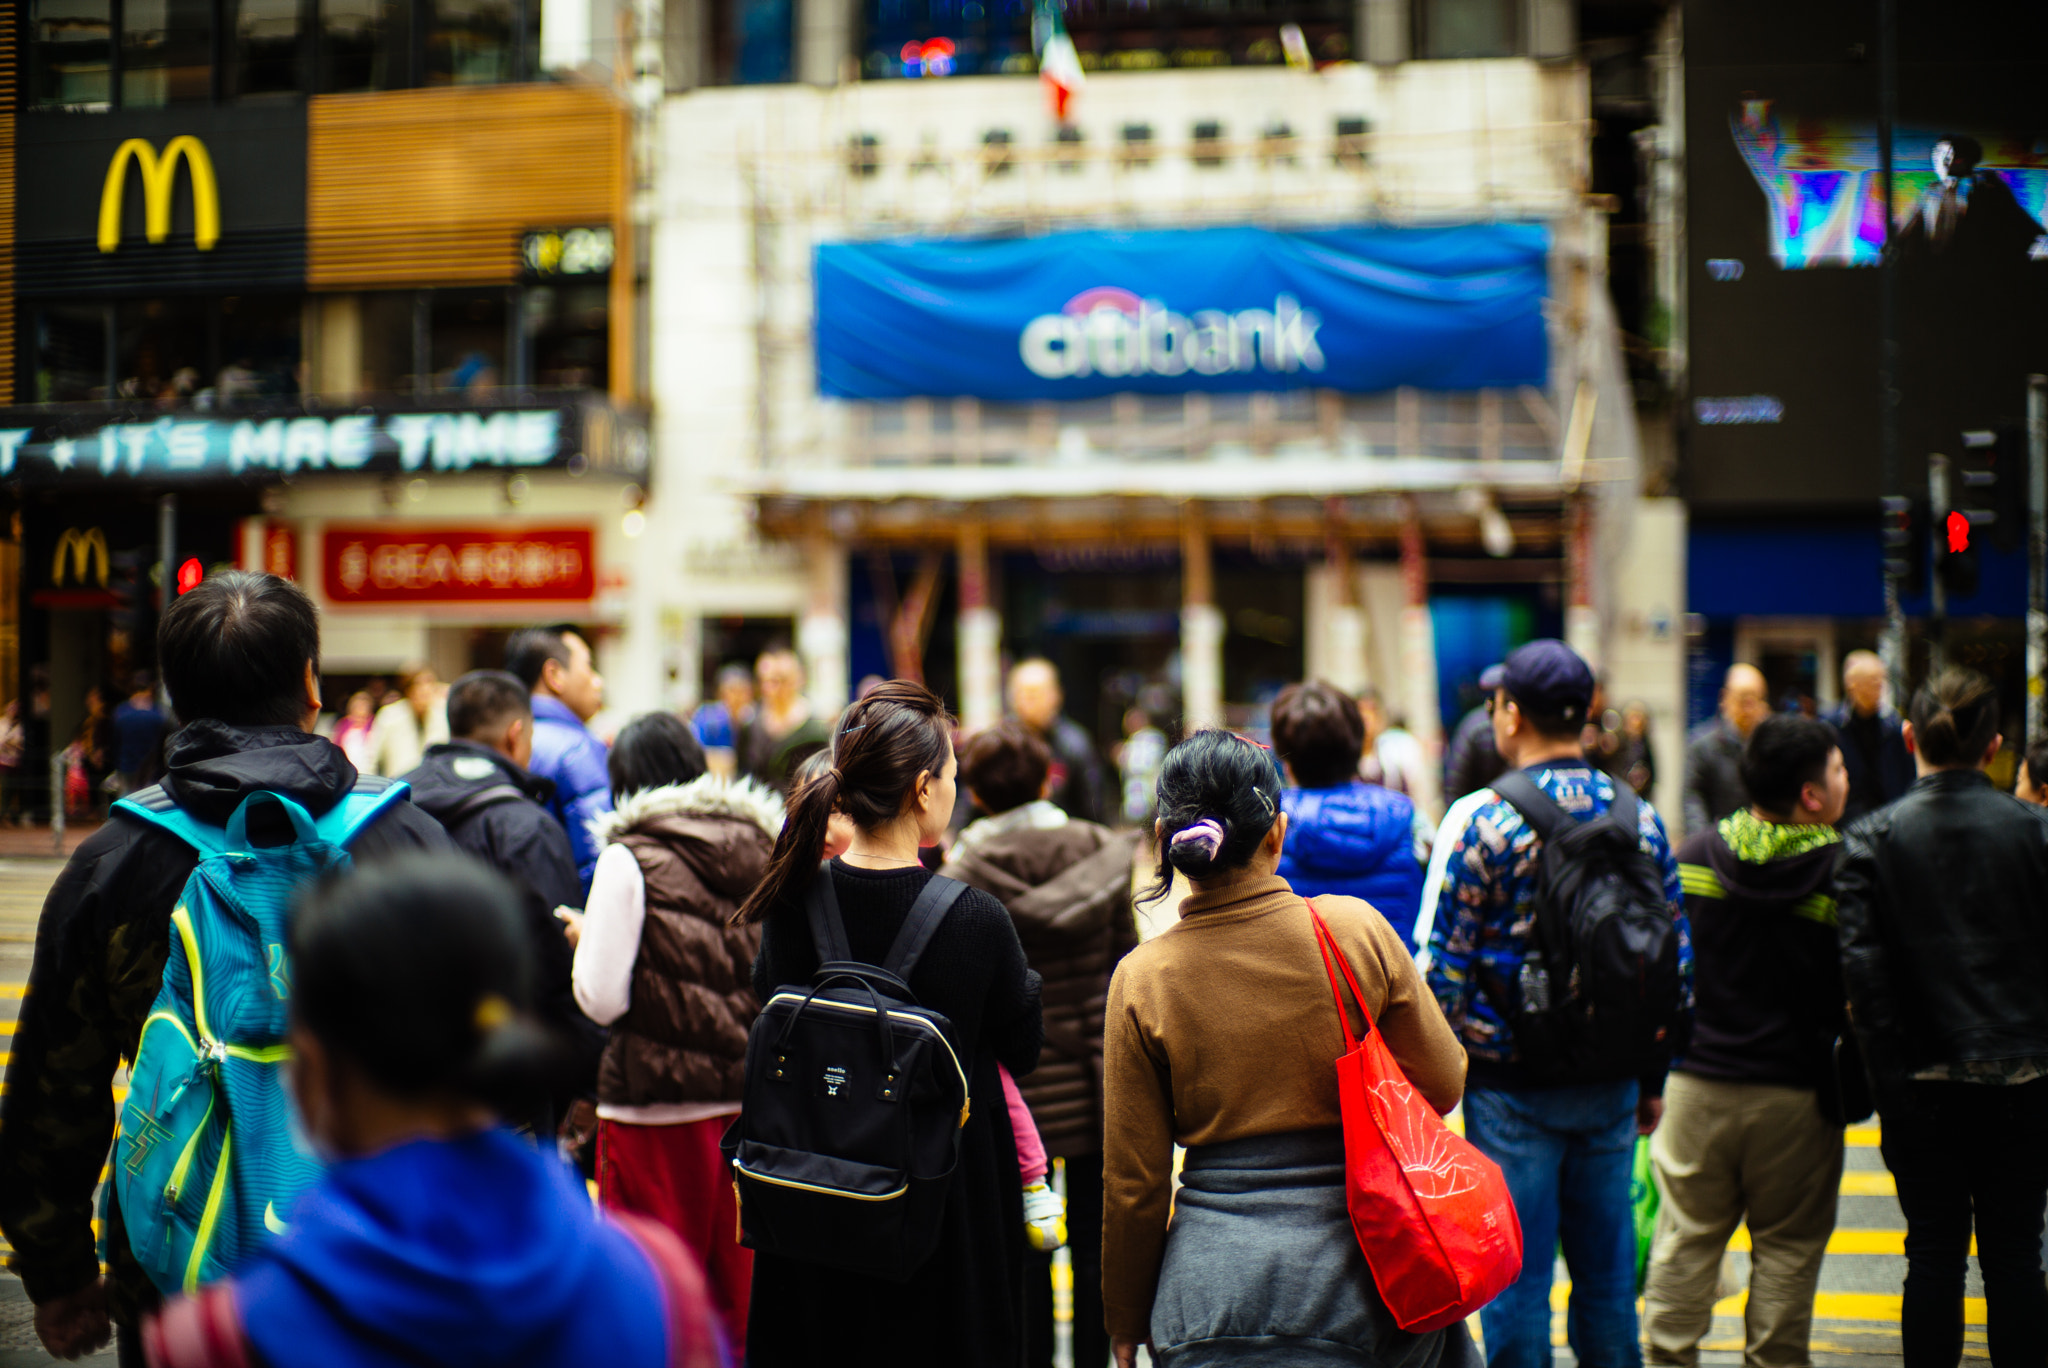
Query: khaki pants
<point>1725,1151</point>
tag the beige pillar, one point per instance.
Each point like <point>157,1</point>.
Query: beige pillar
<point>821,634</point>
<point>1201,626</point>
<point>1342,650</point>
<point>340,361</point>
<point>1581,619</point>
<point>1418,662</point>
<point>980,631</point>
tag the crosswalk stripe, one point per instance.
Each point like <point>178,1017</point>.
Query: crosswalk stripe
<point>1861,1137</point>
<point>1878,1307</point>
<point>1869,1183</point>
<point>1892,1242</point>
<point>13,990</point>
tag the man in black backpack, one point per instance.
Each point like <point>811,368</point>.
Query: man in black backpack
<point>477,786</point>
<point>1560,1111</point>
<point>240,654</point>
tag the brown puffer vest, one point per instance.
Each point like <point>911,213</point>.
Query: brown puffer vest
<point>701,848</point>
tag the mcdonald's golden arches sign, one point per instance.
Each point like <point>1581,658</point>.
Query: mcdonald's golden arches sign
<point>159,180</point>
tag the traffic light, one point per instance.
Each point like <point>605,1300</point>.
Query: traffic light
<point>1958,533</point>
<point>1992,484</point>
<point>1905,545</point>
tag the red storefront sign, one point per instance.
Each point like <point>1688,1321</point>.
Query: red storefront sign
<point>281,550</point>
<point>458,565</point>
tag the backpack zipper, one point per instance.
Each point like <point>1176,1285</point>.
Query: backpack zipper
<point>210,1218</point>
<point>938,1034</point>
<point>813,1187</point>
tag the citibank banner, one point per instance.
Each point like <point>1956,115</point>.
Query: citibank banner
<point>1076,315</point>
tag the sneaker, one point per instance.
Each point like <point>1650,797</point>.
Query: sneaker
<point>1045,1218</point>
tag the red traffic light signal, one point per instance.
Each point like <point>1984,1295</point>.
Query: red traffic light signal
<point>191,572</point>
<point>1958,531</point>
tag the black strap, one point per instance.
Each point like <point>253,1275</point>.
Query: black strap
<point>1538,809</point>
<point>922,924</point>
<point>828,930</point>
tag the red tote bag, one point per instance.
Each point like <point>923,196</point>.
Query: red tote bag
<point>1431,1213</point>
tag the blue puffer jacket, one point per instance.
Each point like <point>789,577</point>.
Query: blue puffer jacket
<point>565,753</point>
<point>1359,840</point>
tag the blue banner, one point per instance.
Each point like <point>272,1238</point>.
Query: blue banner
<point>1076,315</point>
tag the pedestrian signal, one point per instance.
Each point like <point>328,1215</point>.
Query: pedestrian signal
<point>1958,531</point>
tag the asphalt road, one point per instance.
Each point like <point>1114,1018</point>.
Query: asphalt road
<point>1856,1316</point>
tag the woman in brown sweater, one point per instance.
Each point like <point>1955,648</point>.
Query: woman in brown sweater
<point>1222,1036</point>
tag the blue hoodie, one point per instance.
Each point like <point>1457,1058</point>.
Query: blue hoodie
<point>569,757</point>
<point>476,1251</point>
<point>1359,840</point>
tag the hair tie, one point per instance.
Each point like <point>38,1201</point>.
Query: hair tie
<point>1205,836</point>
<point>491,1013</point>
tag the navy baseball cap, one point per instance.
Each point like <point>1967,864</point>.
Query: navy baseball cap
<point>1549,679</point>
<point>1490,678</point>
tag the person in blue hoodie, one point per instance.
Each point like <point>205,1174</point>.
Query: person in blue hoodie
<point>1343,835</point>
<point>555,665</point>
<point>437,1236</point>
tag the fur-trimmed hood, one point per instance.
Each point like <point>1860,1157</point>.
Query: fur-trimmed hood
<point>708,795</point>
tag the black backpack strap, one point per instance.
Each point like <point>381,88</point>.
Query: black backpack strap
<point>1538,809</point>
<point>1626,812</point>
<point>922,924</point>
<point>828,929</point>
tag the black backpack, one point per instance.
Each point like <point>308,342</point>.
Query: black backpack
<point>849,1131</point>
<point>1598,996</point>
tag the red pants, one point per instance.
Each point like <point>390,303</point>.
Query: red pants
<point>676,1175</point>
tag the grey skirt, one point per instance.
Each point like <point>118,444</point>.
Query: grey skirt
<point>1262,1267</point>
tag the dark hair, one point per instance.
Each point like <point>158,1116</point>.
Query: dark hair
<point>1955,715</point>
<point>1319,732</point>
<point>1785,753</point>
<point>1005,767</point>
<point>884,741</point>
<point>1221,777</point>
<point>1552,726</point>
<point>418,970</point>
<point>234,648</point>
<point>1967,153</point>
<point>2037,761</point>
<point>528,652</point>
<point>482,701</point>
<point>654,749</point>
<point>142,681</point>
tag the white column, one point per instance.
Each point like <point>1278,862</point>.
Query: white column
<point>980,632</point>
<point>1201,626</point>
<point>821,633</point>
<point>1418,665</point>
<point>1581,618</point>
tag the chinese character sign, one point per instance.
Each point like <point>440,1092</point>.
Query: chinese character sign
<point>458,565</point>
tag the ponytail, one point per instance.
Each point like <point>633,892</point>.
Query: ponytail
<point>894,733</point>
<point>1955,717</point>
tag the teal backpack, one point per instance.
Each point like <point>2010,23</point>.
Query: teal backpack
<point>206,1164</point>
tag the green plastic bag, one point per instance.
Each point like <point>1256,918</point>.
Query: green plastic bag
<point>1642,1198</point>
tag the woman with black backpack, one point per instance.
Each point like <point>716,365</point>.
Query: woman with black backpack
<point>893,774</point>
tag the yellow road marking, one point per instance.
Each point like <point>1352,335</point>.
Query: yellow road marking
<point>1869,1183</point>
<point>1827,1306</point>
<point>1892,1242</point>
<point>1861,1137</point>
<point>13,990</point>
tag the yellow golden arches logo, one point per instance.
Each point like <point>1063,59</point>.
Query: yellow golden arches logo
<point>88,552</point>
<point>159,174</point>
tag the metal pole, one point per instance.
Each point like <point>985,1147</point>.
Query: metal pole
<point>1937,591</point>
<point>56,799</point>
<point>1891,642</point>
<point>167,574</point>
<point>2037,557</point>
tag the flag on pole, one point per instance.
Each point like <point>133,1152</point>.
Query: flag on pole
<point>1059,66</point>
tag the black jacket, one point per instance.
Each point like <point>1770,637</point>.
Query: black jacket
<point>1943,902</point>
<point>99,962</point>
<point>1713,774</point>
<point>1472,760</point>
<point>1871,786</point>
<point>1767,977</point>
<point>496,811</point>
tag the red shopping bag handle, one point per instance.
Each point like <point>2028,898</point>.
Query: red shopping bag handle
<point>1327,943</point>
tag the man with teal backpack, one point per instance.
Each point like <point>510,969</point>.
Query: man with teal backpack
<point>161,944</point>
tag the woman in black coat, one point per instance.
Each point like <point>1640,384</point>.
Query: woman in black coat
<point>893,775</point>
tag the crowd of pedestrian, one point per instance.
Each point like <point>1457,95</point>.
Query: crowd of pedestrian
<point>729,964</point>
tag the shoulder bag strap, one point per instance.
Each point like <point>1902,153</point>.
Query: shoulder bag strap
<point>1536,806</point>
<point>481,801</point>
<point>371,798</point>
<point>828,929</point>
<point>922,924</point>
<point>154,806</point>
<point>1625,810</point>
<point>1333,959</point>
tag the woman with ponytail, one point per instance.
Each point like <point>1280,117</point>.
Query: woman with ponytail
<point>892,773</point>
<point>438,1236</point>
<point>1941,902</point>
<point>1221,1036</point>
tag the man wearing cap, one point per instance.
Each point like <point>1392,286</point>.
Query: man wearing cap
<point>1567,1151</point>
<point>1472,760</point>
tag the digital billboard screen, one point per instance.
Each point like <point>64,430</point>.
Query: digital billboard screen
<point>1789,231</point>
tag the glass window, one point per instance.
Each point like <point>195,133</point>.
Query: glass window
<point>466,340</point>
<point>763,41</point>
<point>259,348</point>
<point>71,353</point>
<point>72,46</point>
<point>263,54</point>
<point>387,361</point>
<point>1468,28</point>
<point>363,45</point>
<point>472,42</point>
<point>927,38</point>
<point>165,349</point>
<point>166,52</point>
<point>568,336</point>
